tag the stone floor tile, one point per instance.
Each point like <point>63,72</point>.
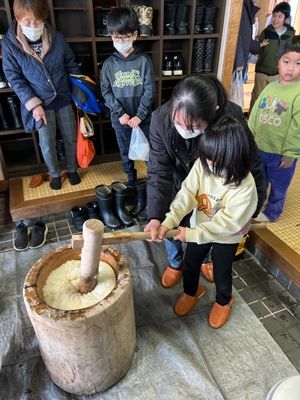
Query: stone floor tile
<point>285,341</point>
<point>238,283</point>
<point>273,303</point>
<point>250,279</point>
<point>272,324</point>
<point>287,299</point>
<point>286,319</point>
<point>259,309</point>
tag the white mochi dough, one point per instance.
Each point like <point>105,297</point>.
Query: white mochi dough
<point>61,288</point>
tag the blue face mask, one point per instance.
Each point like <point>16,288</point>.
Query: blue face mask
<point>122,47</point>
<point>187,134</point>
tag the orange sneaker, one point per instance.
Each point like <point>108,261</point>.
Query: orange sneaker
<point>219,315</point>
<point>207,270</point>
<point>186,303</point>
<point>170,277</point>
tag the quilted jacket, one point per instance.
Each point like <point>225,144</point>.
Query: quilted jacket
<point>37,80</point>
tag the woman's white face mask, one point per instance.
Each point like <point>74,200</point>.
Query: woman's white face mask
<point>32,34</point>
<point>187,134</point>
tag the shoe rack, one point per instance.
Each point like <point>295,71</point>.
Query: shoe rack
<point>82,22</point>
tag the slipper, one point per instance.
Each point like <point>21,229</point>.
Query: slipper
<point>37,180</point>
<point>64,176</point>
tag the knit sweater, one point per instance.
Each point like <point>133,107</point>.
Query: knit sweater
<point>275,119</point>
<point>221,213</point>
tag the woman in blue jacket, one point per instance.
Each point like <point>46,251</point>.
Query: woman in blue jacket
<point>36,62</point>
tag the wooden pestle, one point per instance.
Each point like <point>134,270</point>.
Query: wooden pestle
<point>127,236</point>
<point>90,254</point>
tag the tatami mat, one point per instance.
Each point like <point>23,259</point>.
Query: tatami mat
<point>287,228</point>
<point>92,176</point>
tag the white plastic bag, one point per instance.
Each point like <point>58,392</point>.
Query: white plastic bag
<point>139,146</point>
<point>236,89</point>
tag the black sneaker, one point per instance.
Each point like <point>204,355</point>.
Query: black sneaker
<point>79,216</point>
<point>38,235</point>
<point>177,65</point>
<point>21,237</point>
<point>93,210</point>
<point>167,65</point>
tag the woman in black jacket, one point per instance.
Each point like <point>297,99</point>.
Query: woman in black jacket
<point>196,103</point>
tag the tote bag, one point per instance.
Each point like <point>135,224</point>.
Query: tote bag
<point>85,148</point>
<point>236,89</point>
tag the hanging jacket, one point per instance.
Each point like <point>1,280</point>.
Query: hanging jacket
<point>170,161</point>
<point>37,80</point>
<point>245,44</point>
<point>127,85</point>
<point>267,62</point>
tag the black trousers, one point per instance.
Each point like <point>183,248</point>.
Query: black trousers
<point>222,257</point>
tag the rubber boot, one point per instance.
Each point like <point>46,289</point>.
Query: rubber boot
<point>120,193</point>
<point>198,28</point>
<point>143,215</point>
<point>2,118</point>
<point>198,55</point>
<point>101,28</point>
<point>145,15</point>
<point>209,49</point>
<point>105,202</point>
<point>14,108</point>
<point>169,18</point>
<point>209,18</point>
<point>181,19</point>
<point>141,188</point>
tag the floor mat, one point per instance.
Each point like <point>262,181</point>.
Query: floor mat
<point>92,176</point>
<point>175,358</point>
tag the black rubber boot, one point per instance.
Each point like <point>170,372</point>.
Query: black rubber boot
<point>120,193</point>
<point>181,19</point>
<point>14,108</point>
<point>209,18</point>
<point>209,50</point>
<point>143,215</point>
<point>198,55</point>
<point>141,188</point>
<point>105,202</point>
<point>3,119</point>
<point>198,28</point>
<point>169,18</point>
<point>101,22</point>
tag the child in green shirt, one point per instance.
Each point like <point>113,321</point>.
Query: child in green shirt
<point>275,123</point>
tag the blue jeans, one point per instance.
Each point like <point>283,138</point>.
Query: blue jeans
<point>65,120</point>
<point>123,135</point>
<point>279,179</point>
<point>175,253</point>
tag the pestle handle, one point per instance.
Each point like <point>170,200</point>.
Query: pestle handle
<point>124,237</point>
<point>120,237</point>
<point>90,254</point>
